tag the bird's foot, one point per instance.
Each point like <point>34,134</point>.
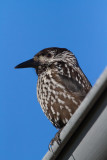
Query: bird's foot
<point>56,138</point>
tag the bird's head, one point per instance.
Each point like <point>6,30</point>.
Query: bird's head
<point>46,57</point>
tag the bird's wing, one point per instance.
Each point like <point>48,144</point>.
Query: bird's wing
<point>75,83</point>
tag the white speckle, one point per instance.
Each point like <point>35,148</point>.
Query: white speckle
<point>56,96</point>
<point>66,120</point>
<point>68,71</point>
<point>60,101</point>
<point>78,75</point>
<point>58,113</point>
<point>73,99</point>
<point>58,118</point>
<point>65,96</point>
<point>52,110</point>
<point>72,70</point>
<point>83,81</point>
<point>53,91</point>
<point>69,97</point>
<point>57,84</point>
<point>53,100</point>
<point>69,110</point>
<point>49,115</point>
<point>63,121</point>
<point>76,79</point>
<point>70,114</point>
<point>65,65</point>
<point>45,80</point>
<point>79,82</point>
<point>61,107</point>
<point>55,120</point>
<point>83,85</point>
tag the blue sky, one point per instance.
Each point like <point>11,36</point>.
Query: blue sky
<point>25,28</point>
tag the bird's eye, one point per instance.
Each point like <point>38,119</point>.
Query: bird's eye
<point>49,55</point>
<point>43,54</point>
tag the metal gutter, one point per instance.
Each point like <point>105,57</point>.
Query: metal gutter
<point>79,115</point>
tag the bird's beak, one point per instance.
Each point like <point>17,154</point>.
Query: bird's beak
<point>27,64</point>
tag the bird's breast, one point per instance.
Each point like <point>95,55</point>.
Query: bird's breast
<point>56,102</point>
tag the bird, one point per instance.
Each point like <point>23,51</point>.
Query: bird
<point>61,85</point>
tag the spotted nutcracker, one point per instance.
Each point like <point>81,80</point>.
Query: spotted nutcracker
<point>61,85</point>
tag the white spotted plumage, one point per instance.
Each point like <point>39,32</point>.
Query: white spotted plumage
<point>61,85</point>
<point>58,101</point>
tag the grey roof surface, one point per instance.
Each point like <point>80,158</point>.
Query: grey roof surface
<point>77,119</point>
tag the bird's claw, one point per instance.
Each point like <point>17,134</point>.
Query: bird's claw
<point>57,139</point>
